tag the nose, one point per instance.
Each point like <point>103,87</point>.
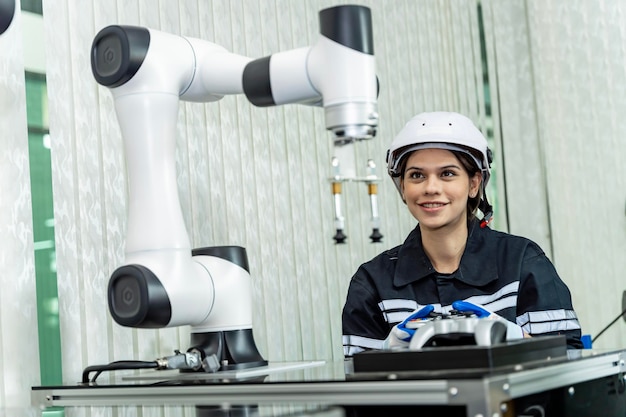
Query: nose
<point>432,185</point>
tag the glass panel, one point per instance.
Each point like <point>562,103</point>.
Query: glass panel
<point>43,229</point>
<point>33,6</point>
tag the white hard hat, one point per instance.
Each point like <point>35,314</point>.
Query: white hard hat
<point>443,130</point>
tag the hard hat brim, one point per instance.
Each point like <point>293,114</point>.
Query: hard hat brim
<point>395,162</point>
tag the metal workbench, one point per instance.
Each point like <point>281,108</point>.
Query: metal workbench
<point>583,381</point>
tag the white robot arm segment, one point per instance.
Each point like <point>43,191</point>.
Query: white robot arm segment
<point>137,60</point>
<point>338,72</point>
<point>160,284</point>
<point>217,72</point>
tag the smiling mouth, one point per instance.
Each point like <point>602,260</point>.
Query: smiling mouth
<point>432,205</point>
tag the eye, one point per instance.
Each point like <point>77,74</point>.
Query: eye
<point>448,173</point>
<point>414,175</point>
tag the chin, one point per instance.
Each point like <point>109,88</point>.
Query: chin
<point>432,226</point>
<point>439,224</point>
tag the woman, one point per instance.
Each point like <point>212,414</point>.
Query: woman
<point>440,164</point>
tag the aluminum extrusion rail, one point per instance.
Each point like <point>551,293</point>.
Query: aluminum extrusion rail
<point>322,393</point>
<point>487,395</point>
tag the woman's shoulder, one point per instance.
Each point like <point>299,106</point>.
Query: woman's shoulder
<point>509,240</point>
<point>388,256</point>
<point>381,266</point>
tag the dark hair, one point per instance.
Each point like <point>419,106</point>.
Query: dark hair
<point>470,167</point>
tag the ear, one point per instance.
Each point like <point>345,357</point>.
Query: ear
<point>475,184</point>
<point>402,190</point>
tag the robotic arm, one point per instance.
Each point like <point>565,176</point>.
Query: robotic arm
<point>338,72</point>
<point>163,283</point>
<point>148,73</point>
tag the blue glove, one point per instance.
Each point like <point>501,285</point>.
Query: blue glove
<point>400,335</point>
<point>513,331</point>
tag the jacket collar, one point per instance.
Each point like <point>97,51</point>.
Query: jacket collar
<point>476,268</point>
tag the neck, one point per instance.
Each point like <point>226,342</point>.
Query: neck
<point>444,247</point>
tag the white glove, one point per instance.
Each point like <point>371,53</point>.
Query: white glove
<point>400,335</point>
<point>513,331</point>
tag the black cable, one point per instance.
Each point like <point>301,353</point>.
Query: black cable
<point>116,366</point>
<point>609,325</point>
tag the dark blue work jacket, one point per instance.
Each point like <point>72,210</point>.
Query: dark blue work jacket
<point>508,275</point>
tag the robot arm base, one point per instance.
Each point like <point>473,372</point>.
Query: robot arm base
<point>234,349</point>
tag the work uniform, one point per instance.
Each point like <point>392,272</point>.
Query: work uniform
<point>508,275</point>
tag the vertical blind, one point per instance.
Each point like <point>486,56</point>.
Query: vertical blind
<point>558,77</point>
<point>19,357</point>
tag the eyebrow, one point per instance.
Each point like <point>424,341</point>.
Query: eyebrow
<point>439,168</point>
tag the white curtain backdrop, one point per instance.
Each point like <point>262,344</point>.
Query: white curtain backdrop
<point>558,81</point>
<point>19,354</point>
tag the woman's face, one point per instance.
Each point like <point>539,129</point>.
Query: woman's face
<point>436,187</point>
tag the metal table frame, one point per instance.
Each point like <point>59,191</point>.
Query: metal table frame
<point>483,396</point>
